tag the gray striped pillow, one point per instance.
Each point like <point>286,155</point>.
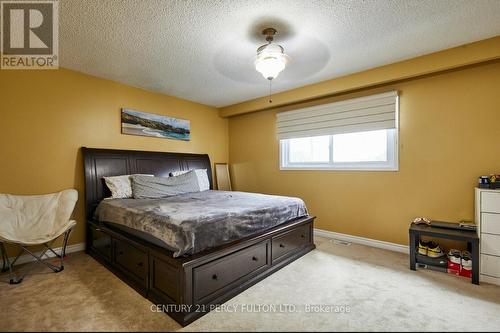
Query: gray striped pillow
<point>144,187</point>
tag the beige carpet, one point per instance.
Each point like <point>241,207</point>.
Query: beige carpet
<point>381,293</point>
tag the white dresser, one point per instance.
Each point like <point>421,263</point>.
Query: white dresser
<point>488,229</point>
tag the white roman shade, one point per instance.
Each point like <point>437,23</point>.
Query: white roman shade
<point>367,113</point>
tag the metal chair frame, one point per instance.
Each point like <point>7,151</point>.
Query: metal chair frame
<point>9,266</point>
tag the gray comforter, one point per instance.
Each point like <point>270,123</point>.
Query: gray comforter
<point>190,223</point>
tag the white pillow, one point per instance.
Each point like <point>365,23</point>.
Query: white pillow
<point>120,186</point>
<point>202,176</point>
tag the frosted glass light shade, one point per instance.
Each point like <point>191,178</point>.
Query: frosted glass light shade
<point>270,61</point>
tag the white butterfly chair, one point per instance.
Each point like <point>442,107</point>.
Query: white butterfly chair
<point>28,220</point>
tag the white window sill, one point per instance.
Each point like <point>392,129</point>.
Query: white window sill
<point>330,168</point>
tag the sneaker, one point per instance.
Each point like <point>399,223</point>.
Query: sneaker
<point>455,256</point>
<point>423,247</point>
<point>422,220</point>
<point>434,251</point>
<point>466,260</point>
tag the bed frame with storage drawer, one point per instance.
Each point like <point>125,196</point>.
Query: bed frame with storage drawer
<point>186,287</point>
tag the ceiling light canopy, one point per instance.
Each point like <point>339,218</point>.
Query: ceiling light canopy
<point>271,58</point>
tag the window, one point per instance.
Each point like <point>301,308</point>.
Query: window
<point>371,150</point>
<point>355,134</point>
<point>309,150</point>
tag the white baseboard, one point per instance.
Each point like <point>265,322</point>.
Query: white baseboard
<point>363,241</point>
<point>29,258</point>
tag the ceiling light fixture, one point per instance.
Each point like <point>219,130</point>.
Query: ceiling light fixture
<point>271,58</point>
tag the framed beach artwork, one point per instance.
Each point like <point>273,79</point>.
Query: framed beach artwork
<point>148,124</point>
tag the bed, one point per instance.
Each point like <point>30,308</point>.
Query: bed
<point>219,250</point>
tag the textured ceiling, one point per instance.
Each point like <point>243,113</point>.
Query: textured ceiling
<point>203,50</point>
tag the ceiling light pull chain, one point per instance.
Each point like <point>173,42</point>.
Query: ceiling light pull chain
<point>270,87</point>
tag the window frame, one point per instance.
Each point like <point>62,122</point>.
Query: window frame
<point>392,164</point>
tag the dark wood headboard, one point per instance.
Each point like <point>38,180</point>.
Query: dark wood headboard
<point>100,163</point>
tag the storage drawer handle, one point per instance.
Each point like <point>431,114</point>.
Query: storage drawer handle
<point>302,236</point>
<point>215,277</point>
<point>255,258</point>
<point>97,229</point>
<point>282,245</point>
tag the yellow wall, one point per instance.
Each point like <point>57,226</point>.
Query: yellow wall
<point>46,116</point>
<point>449,135</point>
